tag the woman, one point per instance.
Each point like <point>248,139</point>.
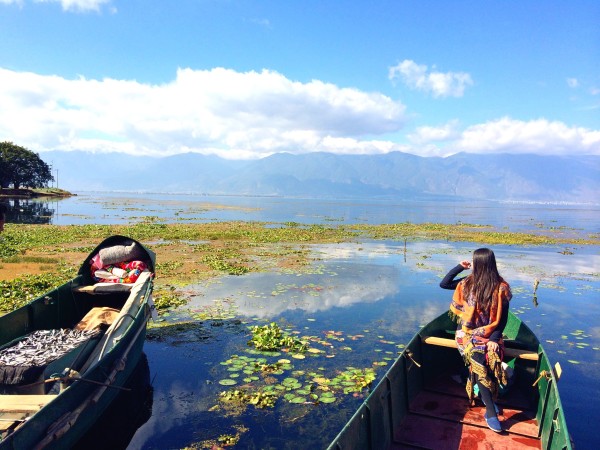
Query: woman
<point>480,303</point>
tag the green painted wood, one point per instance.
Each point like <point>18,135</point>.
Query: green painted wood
<point>405,380</point>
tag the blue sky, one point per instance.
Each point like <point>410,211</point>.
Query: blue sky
<point>246,79</point>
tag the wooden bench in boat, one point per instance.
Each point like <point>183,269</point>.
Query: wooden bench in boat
<point>15,409</point>
<point>24,403</point>
<point>510,352</point>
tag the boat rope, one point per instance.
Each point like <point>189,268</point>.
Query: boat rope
<point>72,376</point>
<point>409,355</point>
<point>543,373</point>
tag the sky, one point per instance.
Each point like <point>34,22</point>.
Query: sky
<point>244,79</point>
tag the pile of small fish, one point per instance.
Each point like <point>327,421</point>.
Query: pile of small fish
<point>43,346</point>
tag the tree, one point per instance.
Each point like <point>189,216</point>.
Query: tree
<point>22,168</point>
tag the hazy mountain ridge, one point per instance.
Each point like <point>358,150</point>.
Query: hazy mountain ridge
<point>515,177</point>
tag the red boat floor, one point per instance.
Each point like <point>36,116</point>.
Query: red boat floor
<point>441,419</point>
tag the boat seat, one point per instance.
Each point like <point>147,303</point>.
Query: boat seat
<point>18,403</point>
<point>16,409</point>
<point>104,288</point>
<point>510,352</point>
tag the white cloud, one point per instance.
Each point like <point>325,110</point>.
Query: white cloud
<point>219,111</point>
<point>535,136</point>
<point>428,134</point>
<point>416,76</point>
<point>247,115</point>
<point>572,82</point>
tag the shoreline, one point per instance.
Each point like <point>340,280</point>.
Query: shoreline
<point>34,193</point>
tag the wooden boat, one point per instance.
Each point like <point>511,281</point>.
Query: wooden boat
<point>421,403</point>
<point>70,390</point>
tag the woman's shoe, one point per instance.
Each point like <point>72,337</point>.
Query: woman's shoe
<point>493,423</point>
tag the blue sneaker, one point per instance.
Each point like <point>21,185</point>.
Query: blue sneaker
<point>493,423</point>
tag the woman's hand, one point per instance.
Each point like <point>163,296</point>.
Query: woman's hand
<point>466,264</point>
<point>493,346</point>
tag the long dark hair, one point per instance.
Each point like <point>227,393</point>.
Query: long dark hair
<point>485,279</point>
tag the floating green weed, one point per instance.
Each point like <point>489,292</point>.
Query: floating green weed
<point>271,337</point>
<point>18,292</point>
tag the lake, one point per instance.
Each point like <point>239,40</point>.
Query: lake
<point>359,303</point>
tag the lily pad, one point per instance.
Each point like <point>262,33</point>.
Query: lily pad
<point>227,382</point>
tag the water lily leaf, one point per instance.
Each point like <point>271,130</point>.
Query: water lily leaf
<point>298,356</point>
<point>324,399</point>
<point>227,382</point>
<point>298,400</point>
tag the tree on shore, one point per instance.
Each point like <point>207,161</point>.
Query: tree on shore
<point>20,167</point>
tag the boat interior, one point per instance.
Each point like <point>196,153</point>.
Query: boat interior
<point>421,403</point>
<point>441,407</point>
<point>52,341</point>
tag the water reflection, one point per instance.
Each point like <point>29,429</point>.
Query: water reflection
<point>384,294</point>
<point>269,295</point>
<point>125,415</point>
<point>28,211</point>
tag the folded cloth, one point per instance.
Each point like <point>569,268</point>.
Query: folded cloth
<point>97,318</point>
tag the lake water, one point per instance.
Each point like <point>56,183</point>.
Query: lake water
<point>359,302</point>
<point>115,207</point>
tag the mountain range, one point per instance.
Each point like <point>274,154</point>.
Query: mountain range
<point>511,177</point>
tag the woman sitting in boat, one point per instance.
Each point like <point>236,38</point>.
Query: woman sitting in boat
<point>480,303</point>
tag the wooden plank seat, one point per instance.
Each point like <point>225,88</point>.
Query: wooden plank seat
<point>509,352</point>
<point>16,409</point>
<point>24,403</point>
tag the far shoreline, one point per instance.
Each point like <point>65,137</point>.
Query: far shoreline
<point>34,193</point>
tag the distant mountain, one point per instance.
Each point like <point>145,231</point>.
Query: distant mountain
<point>515,177</point>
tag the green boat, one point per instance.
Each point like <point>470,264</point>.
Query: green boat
<point>421,401</point>
<point>92,336</point>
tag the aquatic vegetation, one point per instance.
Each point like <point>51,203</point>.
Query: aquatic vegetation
<point>16,293</point>
<point>271,337</point>
<point>166,297</point>
<point>240,397</point>
<point>224,440</point>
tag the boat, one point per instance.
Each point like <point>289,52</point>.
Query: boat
<point>421,401</point>
<point>91,331</point>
